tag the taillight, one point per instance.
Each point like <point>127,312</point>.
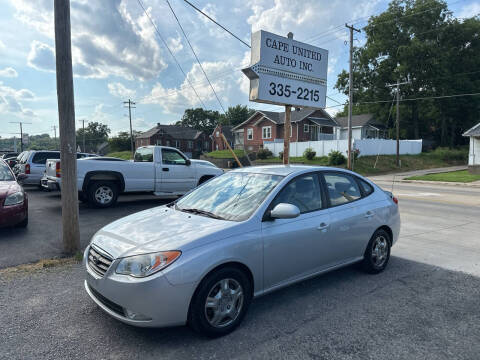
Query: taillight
<point>395,200</point>
<point>57,170</point>
<point>27,168</point>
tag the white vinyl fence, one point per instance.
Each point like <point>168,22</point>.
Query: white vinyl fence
<point>366,147</point>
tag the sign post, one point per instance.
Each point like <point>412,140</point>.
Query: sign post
<point>287,72</point>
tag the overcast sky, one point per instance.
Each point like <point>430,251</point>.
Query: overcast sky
<point>117,55</point>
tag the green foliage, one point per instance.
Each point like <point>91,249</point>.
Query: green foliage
<point>235,115</point>
<point>225,154</point>
<point>448,155</point>
<point>204,120</point>
<point>121,142</point>
<point>263,154</point>
<point>309,154</point>
<point>453,176</point>
<point>125,155</point>
<point>419,42</point>
<point>95,134</point>
<point>41,142</point>
<point>336,158</point>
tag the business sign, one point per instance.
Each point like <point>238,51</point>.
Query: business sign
<point>283,71</point>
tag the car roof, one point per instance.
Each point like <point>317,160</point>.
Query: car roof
<point>283,170</point>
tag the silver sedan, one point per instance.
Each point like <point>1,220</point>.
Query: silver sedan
<point>202,259</point>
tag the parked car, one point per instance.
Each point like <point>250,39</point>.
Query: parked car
<point>11,161</point>
<point>33,164</point>
<point>161,170</point>
<point>13,199</point>
<point>9,155</point>
<point>201,259</point>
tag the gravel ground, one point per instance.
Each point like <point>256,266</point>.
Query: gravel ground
<point>411,311</point>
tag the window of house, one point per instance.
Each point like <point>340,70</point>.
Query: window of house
<point>305,128</point>
<point>291,130</point>
<point>303,192</point>
<point>207,145</point>
<point>177,143</point>
<point>190,144</point>
<point>217,134</point>
<point>250,134</point>
<point>266,132</point>
<point>167,142</point>
<point>342,188</point>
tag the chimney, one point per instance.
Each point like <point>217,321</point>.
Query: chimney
<point>158,124</point>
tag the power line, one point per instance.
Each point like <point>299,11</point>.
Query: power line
<point>170,51</point>
<point>223,27</point>
<point>195,54</point>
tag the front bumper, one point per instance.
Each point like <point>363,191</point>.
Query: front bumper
<point>153,297</point>
<point>12,215</point>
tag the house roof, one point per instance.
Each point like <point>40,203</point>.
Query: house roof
<point>226,130</point>
<point>175,131</point>
<point>296,115</point>
<point>474,131</point>
<point>357,120</point>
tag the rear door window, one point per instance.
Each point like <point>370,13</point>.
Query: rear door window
<point>341,188</point>
<point>366,187</point>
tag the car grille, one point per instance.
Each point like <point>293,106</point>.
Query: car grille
<point>98,262</point>
<point>109,304</point>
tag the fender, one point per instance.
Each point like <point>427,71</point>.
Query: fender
<point>103,175</point>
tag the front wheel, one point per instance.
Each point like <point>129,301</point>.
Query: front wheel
<point>377,254</point>
<point>102,194</point>
<point>220,302</point>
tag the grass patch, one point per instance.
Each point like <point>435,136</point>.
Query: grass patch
<point>453,176</point>
<point>225,154</point>
<point>39,265</point>
<point>125,155</point>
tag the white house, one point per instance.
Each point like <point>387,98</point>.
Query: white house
<point>364,126</point>
<point>474,153</point>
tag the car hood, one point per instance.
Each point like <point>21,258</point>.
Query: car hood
<point>8,187</point>
<point>160,229</point>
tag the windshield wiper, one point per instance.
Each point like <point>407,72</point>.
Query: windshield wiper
<point>201,212</point>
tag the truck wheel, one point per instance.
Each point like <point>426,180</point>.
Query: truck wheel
<point>102,194</point>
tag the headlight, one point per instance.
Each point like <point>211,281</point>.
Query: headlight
<point>146,265</point>
<point>14,199</point>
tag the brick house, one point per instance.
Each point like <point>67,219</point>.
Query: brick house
<point>190,141</point>
<point>268,126</point>
<point>217,141</point>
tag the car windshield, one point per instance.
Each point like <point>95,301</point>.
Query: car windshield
<point>5,173</point>
<point>231,196</point>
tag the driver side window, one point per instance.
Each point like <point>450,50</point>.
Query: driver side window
<point>303,192</point>
<point>172,157</point>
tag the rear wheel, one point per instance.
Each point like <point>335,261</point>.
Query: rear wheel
<point>377,254</point>
<point>102,194</point>
<point>220,302</point>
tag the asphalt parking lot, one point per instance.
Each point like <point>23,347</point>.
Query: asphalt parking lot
<point>424,306</point>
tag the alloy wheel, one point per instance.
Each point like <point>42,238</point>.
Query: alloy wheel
<point>224,303</point>
<point>379,251</point>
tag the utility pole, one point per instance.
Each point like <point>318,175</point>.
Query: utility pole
<point>54,127</point>
<point>130,106</point>
<point>66,113</point>
<point>350,96</point>
<point>83,127</point>
<point>397,122</point>
<point>21,131</point>
<point>286,126</point>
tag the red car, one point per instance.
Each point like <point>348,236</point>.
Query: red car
<point>13,199</point>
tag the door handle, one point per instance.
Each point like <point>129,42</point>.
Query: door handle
<point>165,169</point>
<point>369,214</point>
<point>323,227</point>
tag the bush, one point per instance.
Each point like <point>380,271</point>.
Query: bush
<point>309,154</point>
<point>336,158</point>
<point>280,155</point>
<point>448,155</point>
<point>263,154</point>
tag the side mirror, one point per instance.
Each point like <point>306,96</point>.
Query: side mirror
<point>21,177</point>
<point>188,162</point>
<point>284,211</point>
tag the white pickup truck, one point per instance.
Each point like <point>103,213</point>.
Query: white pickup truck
<point>163,171</point>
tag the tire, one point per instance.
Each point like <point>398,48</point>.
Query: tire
<point>102,194</point>
<point>230,306</point>
<point>377,253</point>
<point>82,197</point>
<point>23,223</point>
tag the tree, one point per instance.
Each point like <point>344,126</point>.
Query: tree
<point>235,115</point>
<point>204,120</point>
<point>95,134</point>
<point>419,41</point>
<point>121,142</point>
